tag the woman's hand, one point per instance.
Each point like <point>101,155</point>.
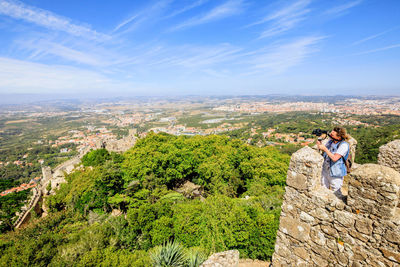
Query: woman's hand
<point>321,146</point>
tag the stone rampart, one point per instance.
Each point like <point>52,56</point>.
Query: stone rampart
<point>120,145</point>
<point>36,201</point>
<point>318,228</point>
<point>389,155</point>
<point>25,214</point>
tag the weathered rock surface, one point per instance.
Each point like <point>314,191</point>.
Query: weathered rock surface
<point>120,145</point>
<point>389,155</point>
<point>231,259</point>
<point>190,190</point>
<point>228,258</point>
<point>374,189</point>
<point>303,173</point>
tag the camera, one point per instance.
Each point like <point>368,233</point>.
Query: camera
<point>319,132</point>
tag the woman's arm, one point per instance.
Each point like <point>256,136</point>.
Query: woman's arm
<point>335,157</point>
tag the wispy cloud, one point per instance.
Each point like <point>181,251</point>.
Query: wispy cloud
<point>284,19</point>
<point>378,49</point>
<point>371,37</point>
<point>342,9</point>
<point>198,57</point>
<point>229,8</point>
<point>125,22</point>
<point>47,19</point>
<point>18,75</point>
<point>150,13</point>
<point>40,49</point>
<point>186,8</point>
<point>280,58</point>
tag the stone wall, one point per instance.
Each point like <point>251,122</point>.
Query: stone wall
<point>25,214</point>
<point>120,145</point>
<point>317,228</point>
<point>36,202</point>
<point>389,155</point>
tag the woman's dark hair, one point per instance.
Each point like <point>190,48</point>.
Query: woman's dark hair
<point>341,132</point>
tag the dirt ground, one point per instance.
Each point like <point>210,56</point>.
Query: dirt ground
<point>253,263</point>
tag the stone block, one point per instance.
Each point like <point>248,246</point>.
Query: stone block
<point>331,243</point>
<point>318,237</point>
<point>357,264</point>
<point>301,252</point>
<point>342,259</point>
<point>323,251</point>
<point>379,262</point>
<point>296,180</point>
<point>323,197</point>
<point>318,261</point>
<point>344,218</point>
<point>360,254</point>
<point>301,263</point>
<point>305,217</point>
<point>393,236</point>
<point>322,214</point>
<point>295,228</point>
<point>342,230</point>
<point>391,255</point>
<point>363,238</point>
<point>329,230</point>
<point>282,251</point>
<point>347,239</point>
<point>364,225</point>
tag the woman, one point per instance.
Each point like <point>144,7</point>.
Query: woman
<point>336,152</point>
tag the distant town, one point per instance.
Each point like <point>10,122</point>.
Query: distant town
<point>102,121</point>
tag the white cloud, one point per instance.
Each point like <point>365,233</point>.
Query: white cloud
<point>42,49</point>
<point>195,57</point>
<point>378,49</point>
<point>25,76</point>
<point>47,19</point>
<point>339,10</point>
<point>279,59</point>
<point>125,22</point>
<point>149,14</point>
<point>186,8</point>
<point>227,9</point>
<point>285,18</point>
<point>371,37</point>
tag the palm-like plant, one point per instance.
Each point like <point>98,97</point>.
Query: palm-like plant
<point>195,258</point>
<point>168,255</point>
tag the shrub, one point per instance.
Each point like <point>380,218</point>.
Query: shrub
<point>171,254</point>
<point>96,157</point>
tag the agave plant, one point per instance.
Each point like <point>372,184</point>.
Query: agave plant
<point>168,255</point>
<point>195,258</point>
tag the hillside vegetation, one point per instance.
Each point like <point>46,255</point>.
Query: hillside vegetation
<point>142,184</point>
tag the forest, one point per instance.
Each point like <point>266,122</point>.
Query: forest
<point>238,208</point>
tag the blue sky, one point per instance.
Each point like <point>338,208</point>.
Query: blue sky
<point>200,47</point>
